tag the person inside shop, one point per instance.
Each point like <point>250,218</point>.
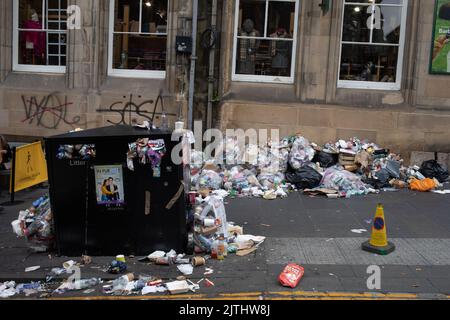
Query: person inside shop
<point>5,154</point>
<point>280,51</point>
<point>5,157</point>
<point>248,48</point>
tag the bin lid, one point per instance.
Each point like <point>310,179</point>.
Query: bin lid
<point>110,131</point>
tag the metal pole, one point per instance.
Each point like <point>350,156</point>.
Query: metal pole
<point>193,64</point>
<point>13,175</point>
<point>212,54</point>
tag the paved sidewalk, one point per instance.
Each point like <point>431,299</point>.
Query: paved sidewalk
<point>312,231</point>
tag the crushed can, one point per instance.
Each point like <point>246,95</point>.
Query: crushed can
<point>291,275</point>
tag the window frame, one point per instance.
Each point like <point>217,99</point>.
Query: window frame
<point>261,78</point>
<point>29,67</point>
<point>372,85</point>
<point>131,73</point>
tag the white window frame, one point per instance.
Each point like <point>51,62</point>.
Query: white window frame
<point>129,73</point>
<point>260,78</point>
<point>28,67</point>
<point>372,85</point>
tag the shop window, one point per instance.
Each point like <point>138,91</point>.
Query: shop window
<point>265,39</point>
<point>40,33</point>
<point>373,37</point>
<point>138,38</point>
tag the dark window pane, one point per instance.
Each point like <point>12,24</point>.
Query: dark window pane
<point>53,25</point>
<point>390,25</point>
<point>53,38</point>
<point>281,19</point>
<point>53,4</point>
<point>264,57</point>
<point>32,47</point>
<point>398,2</point>
<point>356,25</point>
<point>154,16</point>
<point>30,14</point>
<point>126,16</point>
<point>53,61</point>
<point>139,52</point>
<point>369,63</point>
<point>53,49</point>
<point>252,15</point>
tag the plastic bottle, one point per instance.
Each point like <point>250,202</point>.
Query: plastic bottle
<point>215,249</point>
<point>121,282</point>
<point>85,283</point>
<point>222,249</point>
<point>164,122</point>
<point>205,243</point>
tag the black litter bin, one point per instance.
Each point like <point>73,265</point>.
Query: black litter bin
<point>101,207</point>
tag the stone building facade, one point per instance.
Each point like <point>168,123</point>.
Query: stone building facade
<point>412,115</point>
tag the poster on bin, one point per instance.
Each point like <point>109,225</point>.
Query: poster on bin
<point>109,185</point>
<point>440,51</point>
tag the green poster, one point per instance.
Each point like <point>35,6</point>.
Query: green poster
<point>440,51</point>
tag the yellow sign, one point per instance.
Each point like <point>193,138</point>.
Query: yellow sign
<point>379,235</point>
<point>30,166</point>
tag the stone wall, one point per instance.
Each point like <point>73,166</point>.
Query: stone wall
<point>33,104</point>
<point>415,118</point>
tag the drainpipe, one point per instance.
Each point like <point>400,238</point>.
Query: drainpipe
<point>212,55</point>
<point>193,64</point>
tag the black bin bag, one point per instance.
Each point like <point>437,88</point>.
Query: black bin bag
<point>304,178</point>
<point>432,169</point>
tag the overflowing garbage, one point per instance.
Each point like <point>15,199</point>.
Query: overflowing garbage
<point>36,225</point>
<point>76,152</point>
<point>338,170</point>
<point>11,288</point>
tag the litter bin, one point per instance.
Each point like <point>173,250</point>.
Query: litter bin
<point>101,207</point>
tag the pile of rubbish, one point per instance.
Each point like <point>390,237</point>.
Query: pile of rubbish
<point>148,152</point>
<point>36,225</point>
<point>76,152</point>
<point>10,289</point>
<point>214,236</point>
<point>338,170</point>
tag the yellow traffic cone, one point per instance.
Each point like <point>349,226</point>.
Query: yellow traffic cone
<point>378,242</point>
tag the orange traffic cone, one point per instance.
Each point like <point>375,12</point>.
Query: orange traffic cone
<point>378,242</point>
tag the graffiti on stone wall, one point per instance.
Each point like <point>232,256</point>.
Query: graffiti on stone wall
<point>48,112</point>
<point>127,110</point>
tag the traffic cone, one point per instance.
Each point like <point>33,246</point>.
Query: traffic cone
<point>378,242</point>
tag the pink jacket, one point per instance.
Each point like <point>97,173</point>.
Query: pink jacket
<point>36,37</point>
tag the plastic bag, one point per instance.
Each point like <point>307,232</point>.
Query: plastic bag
<point>270,180</point>
<point>424,185</point>
<point>304,178</point>
<point>36,224</point>
<point>273,159</point>
<point>209,179</point>
<point>325,159</point>
<point>301,153</point>
<point>432,169</point>
<point>344,181</point>
<point>217,208</point>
